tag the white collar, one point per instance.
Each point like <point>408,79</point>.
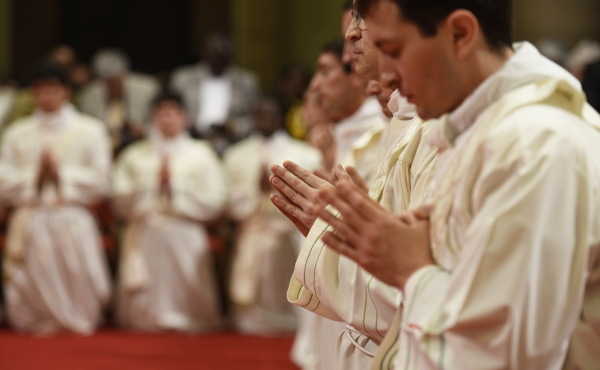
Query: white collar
<point>60,118</point>
<point>525,66</point>
<point>351,128</point>
<point>166,146</point>
<point>400,107</point>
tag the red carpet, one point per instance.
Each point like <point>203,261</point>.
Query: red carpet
<point>112,349</point>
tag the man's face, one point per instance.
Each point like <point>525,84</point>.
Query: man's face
<point>268,118</point>
<point>364,54</point>
<point>50,95</point>
<point>426,66</point>
<point>333,87</point>
<point>169,119</point>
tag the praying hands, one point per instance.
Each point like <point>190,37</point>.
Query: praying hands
<point>48,170</point>
<point>164,177</point>
<point>298,190</point>
<point>391,247</point>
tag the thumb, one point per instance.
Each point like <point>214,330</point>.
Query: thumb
<point>423,212</point>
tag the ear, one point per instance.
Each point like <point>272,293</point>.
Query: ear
<point>464,28</point>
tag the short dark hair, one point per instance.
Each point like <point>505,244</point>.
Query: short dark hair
<point>336,47</point>
<point>494,16</point>
<point>168,96</point>
<point>49,71</point>
<point>347,5</point>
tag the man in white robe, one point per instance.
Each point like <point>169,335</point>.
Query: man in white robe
<point>54,164</point>
<point>266,243</point>
<point>339,284</point>
<point>166,187</point>
<point>357,139</point>
<point>502,271</point>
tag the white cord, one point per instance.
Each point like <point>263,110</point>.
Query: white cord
<point>349,331</point>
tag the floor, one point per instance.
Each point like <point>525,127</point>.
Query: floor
<point>114,349</point>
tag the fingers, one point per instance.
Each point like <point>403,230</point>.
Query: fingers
<point>339,245</point>
<point>408,218</point>
<point>300,219</point>
<point>343,230</point>
<point>296,190</point>
<point>358,200</point>
<point>304,175</point>
<point>423,212</point>
<point>339,173</point>
<point>350,174</point>
<point>323,174</point>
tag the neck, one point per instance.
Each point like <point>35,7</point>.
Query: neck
<point>484,64</point>
<point>52,110</point>
<point>352,107</point>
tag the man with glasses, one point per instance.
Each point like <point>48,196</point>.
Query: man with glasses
<point>502,271</point>
<point>339,288</point>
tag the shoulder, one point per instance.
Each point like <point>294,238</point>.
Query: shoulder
<point>19,127</point>
<point>300,145</point>
<point>200,147</point>
<point>131,152</point>
<point>308,156</point>
<point>89,123</point>
<point>244,75</point>
<point>541,132</point>
<point>243,152</point>
<point>248,144</point>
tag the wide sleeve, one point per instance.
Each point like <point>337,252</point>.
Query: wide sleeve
<point>87,180</point>
<point>242,173</point>
<point>17,175</point>
<point>336,287</point>
<point>514,296</point>
<point>201,192</point>
<point>133,188</point>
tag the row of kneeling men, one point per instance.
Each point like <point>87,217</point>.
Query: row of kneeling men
<point>165,188</point>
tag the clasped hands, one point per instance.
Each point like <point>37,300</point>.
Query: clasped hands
<point>390,246</point>
<point>48,172</point>
<point>164,177</point>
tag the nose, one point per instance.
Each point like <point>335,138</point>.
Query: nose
<point>353,32</point>
<point>314,82</point>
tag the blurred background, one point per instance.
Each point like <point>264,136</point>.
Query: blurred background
<point>161,35</point>
<point>157,38</point>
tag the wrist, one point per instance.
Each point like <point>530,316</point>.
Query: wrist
<point>403,278</point>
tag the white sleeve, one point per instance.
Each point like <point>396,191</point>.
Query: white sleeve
<point>244,194</point>
<point>202,193</point>
<point>17,180</point>
<point>514,296</point>
<point>86,183</point>
<point>133,193</point>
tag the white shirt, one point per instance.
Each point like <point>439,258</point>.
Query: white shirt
<point>348,130</point>
<point>215,99</point>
